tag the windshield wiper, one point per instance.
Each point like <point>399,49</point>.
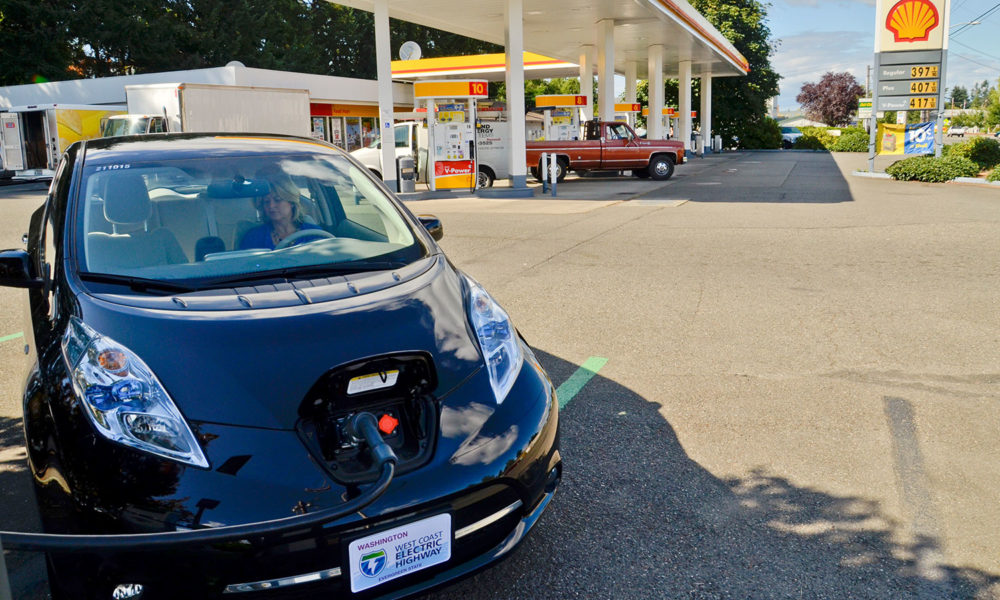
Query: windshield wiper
<point>138,284</point>
<point>307,272</point>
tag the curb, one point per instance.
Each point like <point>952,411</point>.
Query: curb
<point>975,180</point>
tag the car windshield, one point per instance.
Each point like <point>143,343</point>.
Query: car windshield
<point>789,130</point>
<point>215,220</point>
<point>125,126</point>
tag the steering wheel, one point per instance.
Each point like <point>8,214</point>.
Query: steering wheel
<point>318,233</point>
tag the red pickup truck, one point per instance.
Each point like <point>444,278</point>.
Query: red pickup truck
<point>610,145</point>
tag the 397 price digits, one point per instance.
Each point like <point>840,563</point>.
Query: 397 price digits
<point>923,103</point>
<point>924,71</point>
<point>924,87</point>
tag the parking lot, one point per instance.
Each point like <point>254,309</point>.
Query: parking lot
<point>794,387</point>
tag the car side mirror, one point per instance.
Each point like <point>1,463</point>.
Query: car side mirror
<point>16,270</point>
<point>433,226</point>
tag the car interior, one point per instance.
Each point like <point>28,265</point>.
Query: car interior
<point>163,216</point>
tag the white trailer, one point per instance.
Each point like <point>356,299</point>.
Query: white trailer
<point>195,107</point>
<point>34,137</point>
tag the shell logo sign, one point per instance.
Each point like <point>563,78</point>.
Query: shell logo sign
<point>912,20</point>
<point>903,25</point>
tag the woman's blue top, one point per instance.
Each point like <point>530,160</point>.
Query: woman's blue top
<point>260,236</point>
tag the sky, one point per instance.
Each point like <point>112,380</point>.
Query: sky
<point>817,36</point>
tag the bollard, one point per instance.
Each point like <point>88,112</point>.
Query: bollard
<point>553,173</point>
<point>543,168</point>
<point>4,581</point>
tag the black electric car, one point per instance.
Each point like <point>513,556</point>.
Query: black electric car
<point>332,410</point>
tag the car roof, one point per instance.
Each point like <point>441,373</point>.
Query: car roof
<point>172,146</point>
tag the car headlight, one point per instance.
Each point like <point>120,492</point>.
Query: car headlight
<point>497,339</point>
<point>124,400</point>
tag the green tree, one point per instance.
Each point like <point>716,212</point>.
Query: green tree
<point>35,40</point>
<point>959,97</point>
<point>96,38</point>
<point>980,94</point>
<point>739,104</point>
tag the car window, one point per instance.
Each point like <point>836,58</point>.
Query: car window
<point>205,219</point>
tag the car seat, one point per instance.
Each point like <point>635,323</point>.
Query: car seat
<point>128,208</point>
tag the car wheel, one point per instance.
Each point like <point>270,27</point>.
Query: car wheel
<point>661,168</point>
<point>642,173</point>
<point>484,178</point>
<point>562,169</point>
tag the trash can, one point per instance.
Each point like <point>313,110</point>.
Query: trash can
<point>406,174</point>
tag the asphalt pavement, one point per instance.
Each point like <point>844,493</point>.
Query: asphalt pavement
<point>795,392</point>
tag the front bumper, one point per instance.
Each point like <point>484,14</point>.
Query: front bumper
<point>494,471</point>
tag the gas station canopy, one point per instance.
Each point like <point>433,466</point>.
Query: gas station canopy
<point>491,67</point>
<point>558,28</point>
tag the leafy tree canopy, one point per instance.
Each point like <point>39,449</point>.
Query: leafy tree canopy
<point>739,104</point>
<point>66,39</point>
<point>833,100</point>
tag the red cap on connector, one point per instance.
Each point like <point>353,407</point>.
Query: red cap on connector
<point>387,424</point>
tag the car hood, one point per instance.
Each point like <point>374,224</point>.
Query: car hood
<point>254,366</point>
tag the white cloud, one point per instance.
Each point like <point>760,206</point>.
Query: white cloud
<point>805,57</point>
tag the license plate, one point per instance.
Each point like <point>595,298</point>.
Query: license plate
<point>387,555</point>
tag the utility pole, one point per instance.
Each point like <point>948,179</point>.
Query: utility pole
<point>868,82</point>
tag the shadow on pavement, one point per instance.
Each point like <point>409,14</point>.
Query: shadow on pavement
<point>764,177</point>
<point>635,517</point>
<point>26,570</point>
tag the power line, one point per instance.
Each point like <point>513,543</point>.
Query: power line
<point>976,50</point>
<point>981,64</point>
<point>979,18</point>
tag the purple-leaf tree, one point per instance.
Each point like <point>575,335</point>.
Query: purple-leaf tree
<point>833,100</point>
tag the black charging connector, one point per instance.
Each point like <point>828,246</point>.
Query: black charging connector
<point>364,426</point>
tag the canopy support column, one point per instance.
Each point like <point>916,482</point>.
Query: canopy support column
<point>654,121</point>
<point>684,103</point>
<point>606,68</point>
<point>383,66</point>
<point>706,112</point>
<point>587,79</point>
<point>630,78</point>
<point>514,49</point>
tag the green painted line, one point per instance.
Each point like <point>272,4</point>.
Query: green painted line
<point>12,336</point>
<point>572,386</point>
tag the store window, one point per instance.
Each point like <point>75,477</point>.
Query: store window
<point>353,132</point>
<point>337,132</point>
<point>369,131</point>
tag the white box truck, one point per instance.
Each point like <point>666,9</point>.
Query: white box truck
<point>492,140</point>
<point>196,107</point>
<point>34,137</point>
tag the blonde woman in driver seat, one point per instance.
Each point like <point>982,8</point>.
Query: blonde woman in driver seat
<point>283,216</point>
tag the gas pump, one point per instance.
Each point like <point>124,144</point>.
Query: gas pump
<point>562,115</point>
<point>451,128</point>
<point>626,112</point>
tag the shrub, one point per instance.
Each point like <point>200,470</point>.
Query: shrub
<point>928,168</point>
<point>813,138</point>
<point>851,141</point>
<point>994,175</point>
<point>763,135</point>
<point>983,151</point>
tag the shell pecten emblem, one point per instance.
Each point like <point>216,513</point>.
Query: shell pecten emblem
<point>912,20</point>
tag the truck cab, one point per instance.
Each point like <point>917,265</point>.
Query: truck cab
<point>134,125</point>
